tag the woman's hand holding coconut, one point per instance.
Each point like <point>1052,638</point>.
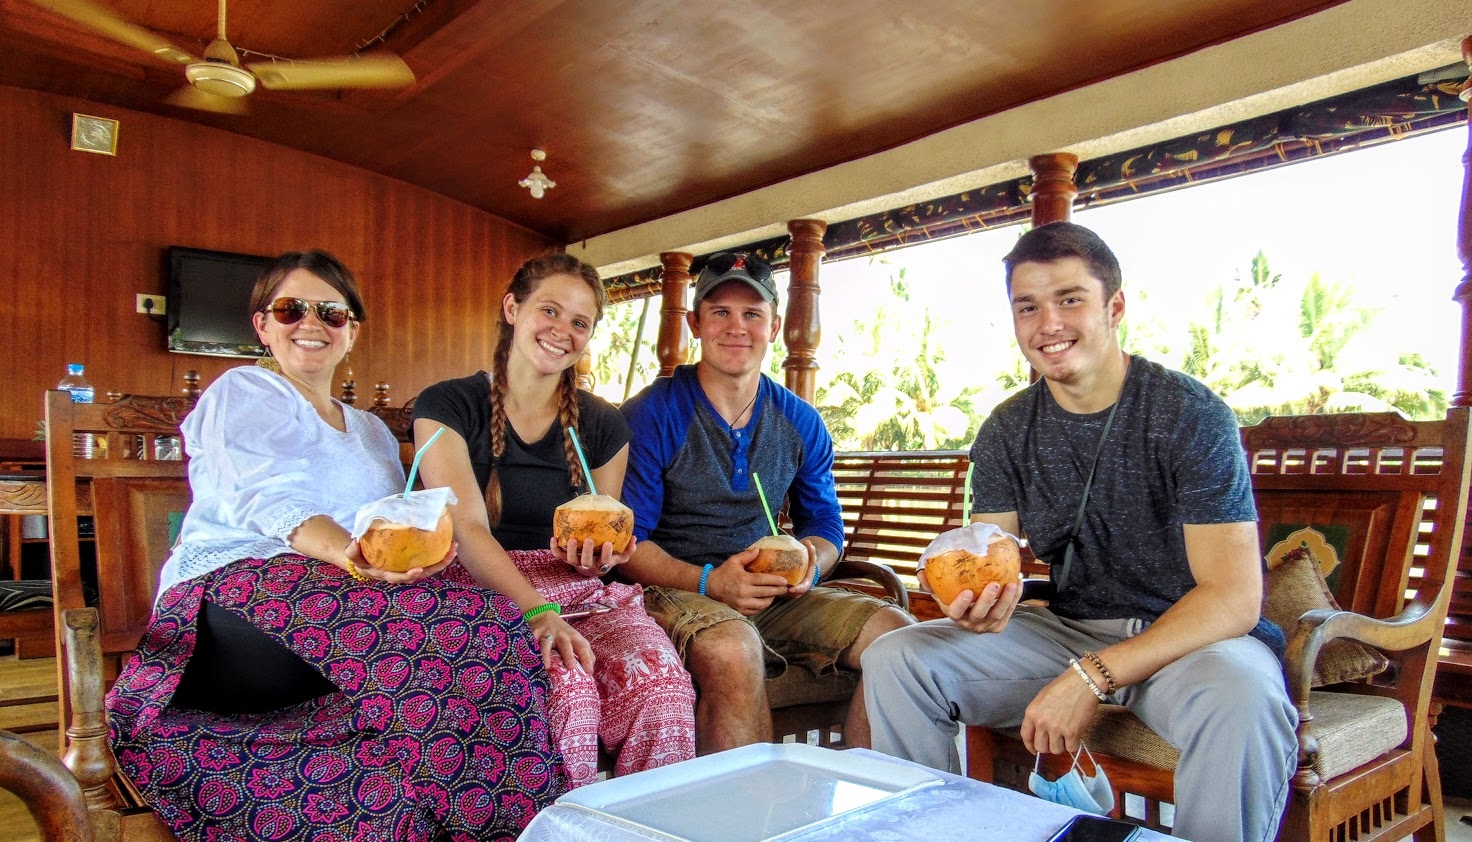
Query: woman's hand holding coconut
<point>593,533</point>
<point>362,569</point>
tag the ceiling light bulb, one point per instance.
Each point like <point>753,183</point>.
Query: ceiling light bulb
<point>537,182</point>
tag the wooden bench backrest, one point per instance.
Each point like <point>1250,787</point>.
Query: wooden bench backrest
<point>133,496</point>
<point>894,504</point>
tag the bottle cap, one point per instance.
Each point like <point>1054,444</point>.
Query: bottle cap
<point>73,368</point>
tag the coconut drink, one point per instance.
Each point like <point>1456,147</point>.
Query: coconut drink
<point>399,547</point>
<point>783,555</point>
<point>595,516</point>
<point>948,573</point>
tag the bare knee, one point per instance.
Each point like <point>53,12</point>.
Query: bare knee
<point>728,655</point>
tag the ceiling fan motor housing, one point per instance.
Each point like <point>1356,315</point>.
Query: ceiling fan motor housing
<point>220,79</point>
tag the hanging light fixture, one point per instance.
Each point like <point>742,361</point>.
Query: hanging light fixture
<point>538,182</point>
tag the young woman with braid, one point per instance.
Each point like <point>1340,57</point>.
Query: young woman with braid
<point>506,453</point>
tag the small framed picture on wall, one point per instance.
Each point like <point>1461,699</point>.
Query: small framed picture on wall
<point>94,134</point>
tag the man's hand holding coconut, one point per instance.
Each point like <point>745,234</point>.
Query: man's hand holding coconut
<point>774,566</point>
<point>974,573</point>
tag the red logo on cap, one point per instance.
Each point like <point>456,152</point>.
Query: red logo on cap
<point>739,264</point>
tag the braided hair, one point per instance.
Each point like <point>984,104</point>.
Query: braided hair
<point>523,284</point>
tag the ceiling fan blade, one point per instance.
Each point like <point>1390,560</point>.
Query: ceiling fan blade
<point>192,97</point>
<point>110,24</point>
<point>379,70</point>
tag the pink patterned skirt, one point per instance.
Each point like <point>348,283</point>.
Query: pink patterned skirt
<point>437,731</point>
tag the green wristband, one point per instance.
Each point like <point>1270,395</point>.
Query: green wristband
<point>541,609</point>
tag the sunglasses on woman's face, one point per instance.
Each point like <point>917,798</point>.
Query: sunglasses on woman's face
<point>289,311</point>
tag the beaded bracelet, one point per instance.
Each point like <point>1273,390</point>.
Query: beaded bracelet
<point>817,575</point>
<point>356,573</point>
<point>1109,685</point>
<point>705,577</point>
<point>541,609</point>
<point>1078,668</point>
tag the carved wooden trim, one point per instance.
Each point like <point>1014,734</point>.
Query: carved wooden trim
<point>674,344</point>
<point>141,413</point>
<point>23,495</point>
<point>802,329</point>
<point>1380,429</point>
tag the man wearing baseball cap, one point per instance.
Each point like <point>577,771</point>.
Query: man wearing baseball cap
<point>701,439</point>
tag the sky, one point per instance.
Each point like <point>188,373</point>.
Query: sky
<point>1382,219</point>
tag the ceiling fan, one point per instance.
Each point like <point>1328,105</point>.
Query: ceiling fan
<point>218,81</point>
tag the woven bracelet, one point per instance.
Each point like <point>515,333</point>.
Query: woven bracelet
<point>541,609</point>
<point>1109,685</point>
<point>705,577</point>
<point>817,574</point>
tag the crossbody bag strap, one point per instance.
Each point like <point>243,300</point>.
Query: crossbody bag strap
<point>1078,519</point>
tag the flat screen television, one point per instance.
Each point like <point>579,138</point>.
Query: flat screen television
<point>209,302</point>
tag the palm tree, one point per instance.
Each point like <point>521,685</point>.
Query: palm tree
<point>1267,354</point>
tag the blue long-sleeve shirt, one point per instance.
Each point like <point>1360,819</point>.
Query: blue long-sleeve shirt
<point>689,476</point>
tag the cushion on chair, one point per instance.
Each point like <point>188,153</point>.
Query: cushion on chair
<point>1295,584</point>
<point>27,593</point>
<point>1352,729</point>
<point>797,686</point>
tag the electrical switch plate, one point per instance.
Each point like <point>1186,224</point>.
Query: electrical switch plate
<point>153,305</point>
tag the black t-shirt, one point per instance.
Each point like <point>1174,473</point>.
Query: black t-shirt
<point>534,476</point>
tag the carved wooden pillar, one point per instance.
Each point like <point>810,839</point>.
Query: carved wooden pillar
<point>802,329</point>
<point>380,394</point>
<point>1463,295</point>
<point>585,372</point>
<point>1053,190</point>
<point>191,384</point>
<point>674,343</point>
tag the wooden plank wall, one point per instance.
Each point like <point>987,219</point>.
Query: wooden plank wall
<point>81,234</point>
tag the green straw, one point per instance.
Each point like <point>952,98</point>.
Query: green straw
<point>966,496</point>
<point>583,460</point>
<point>765,506</point>
<point>414,468</point>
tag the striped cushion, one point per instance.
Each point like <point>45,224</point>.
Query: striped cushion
<point>35,593</point>
<point>27,593</point>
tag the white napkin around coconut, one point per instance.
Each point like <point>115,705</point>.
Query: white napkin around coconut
<point>421,510</point>
<point>973,538</point>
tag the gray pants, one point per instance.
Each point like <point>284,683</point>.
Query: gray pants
<point>1224,706</point>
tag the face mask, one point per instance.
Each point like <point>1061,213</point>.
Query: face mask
<point>1092,794</point>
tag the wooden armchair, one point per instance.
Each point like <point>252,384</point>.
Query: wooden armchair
<point>1390,497</point>
<point>137,501</point>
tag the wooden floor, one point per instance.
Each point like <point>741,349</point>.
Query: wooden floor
<point>23,680</point>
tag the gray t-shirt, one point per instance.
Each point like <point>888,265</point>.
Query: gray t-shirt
<point>1173,456</point>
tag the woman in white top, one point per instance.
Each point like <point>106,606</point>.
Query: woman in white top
<point>286,691</point>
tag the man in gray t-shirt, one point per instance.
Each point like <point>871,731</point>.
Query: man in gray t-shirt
<point>1159,600</point>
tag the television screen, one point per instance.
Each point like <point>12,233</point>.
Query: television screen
<point>209,302</point>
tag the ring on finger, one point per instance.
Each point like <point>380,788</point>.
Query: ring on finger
<point>605,568</point>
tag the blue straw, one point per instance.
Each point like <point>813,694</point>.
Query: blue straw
<point>583,460</point>
<point>414,468</point>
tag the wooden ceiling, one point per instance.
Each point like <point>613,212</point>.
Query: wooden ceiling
<point>645,107</point>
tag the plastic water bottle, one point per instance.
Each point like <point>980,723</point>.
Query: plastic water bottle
<point>81,392</point>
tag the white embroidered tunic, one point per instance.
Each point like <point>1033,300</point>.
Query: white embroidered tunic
<point>262,462</point>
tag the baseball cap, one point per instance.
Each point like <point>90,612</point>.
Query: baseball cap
<point>735,266</point>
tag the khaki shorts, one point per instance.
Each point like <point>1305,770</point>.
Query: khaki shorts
<point>810,631</point>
